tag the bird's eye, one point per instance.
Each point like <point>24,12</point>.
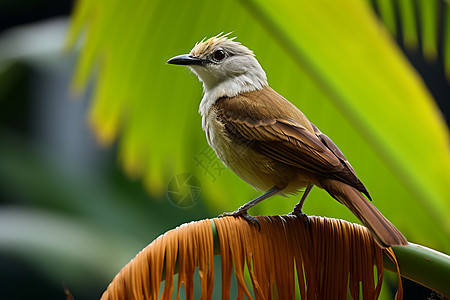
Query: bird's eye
<point>219,55</point>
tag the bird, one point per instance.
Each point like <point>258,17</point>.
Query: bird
<point>267,141</point>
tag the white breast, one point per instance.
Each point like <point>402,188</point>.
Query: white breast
<point>215,137</point>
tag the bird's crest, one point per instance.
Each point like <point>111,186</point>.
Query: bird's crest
<point>221,40</point>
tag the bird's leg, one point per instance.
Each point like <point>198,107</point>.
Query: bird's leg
<point>298,208</point>
<point>243,210</point>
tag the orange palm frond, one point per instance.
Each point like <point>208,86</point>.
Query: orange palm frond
<point>329,258</point>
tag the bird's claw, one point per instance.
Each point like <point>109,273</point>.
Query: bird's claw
<point>304,217</point>
<point>243,214</point>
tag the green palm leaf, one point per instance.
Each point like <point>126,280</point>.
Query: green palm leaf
<point>331,59</point>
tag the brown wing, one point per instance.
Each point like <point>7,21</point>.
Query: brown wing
<point>336,151</point>
<point>285,137</point>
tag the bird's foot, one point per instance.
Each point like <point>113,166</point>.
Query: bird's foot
<point>304,217</point>
<point>243,214</point>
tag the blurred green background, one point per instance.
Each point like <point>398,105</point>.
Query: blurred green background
<point>70,215</point>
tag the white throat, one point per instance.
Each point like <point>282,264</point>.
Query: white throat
<point>228,88</point>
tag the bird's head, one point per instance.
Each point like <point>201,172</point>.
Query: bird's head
<point>221,62</point>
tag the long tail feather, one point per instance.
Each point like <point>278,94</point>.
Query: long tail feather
<point>384,232</point>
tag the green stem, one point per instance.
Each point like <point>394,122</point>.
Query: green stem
<point>423,265</point>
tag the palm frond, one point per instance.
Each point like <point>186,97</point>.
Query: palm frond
<point>325,261</point>
<point>421,24</point>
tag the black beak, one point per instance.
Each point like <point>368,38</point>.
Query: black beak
<point>186,60</point>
